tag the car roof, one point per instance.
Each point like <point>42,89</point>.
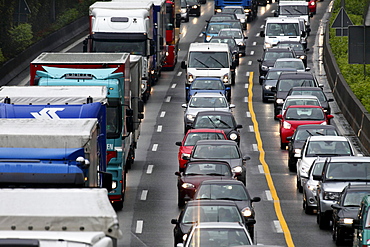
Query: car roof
<point>278,50</point>
<point>327,138</point>
<point>281,69</point>
<point>300,96</point>
<point>349,159</point>
<point>235,225</point>
<point>306,89</point>
<point>208,78</point>
<point>232,7</point>
<point>229,181</point>
<point>216,142</point>
<point>205,131</point>
<point>288,59</point>
<point>315,126</point>
<point>214,113</point>
<point>211,203</point>
<point>297,74</point>
<point>230,29</point>
<point>208,95</point>
<point>304,106</point>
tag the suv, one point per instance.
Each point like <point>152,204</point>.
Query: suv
<point>337,173</point>
<point>223,150</point>
<point>218,120</point>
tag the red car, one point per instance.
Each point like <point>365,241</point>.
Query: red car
<point>312,6</point>
<point>195,173</point>
<point>191,137</point>
<point>296,115</point>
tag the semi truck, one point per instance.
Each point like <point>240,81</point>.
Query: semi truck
<point>250,6</point>
<point>57,217</point>
<point>137,27</point>
<point>111,70</point>
<point>51,153</point>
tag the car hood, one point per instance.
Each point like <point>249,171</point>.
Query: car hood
<point>333,186</point>
<point>196,180</point>
<point>194,111</point>
<point>348,212</point>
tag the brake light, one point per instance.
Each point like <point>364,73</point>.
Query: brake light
<point>111,155</point>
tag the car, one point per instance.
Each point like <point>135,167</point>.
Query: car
<point>221,120</point>
<point>337,173</point>
<point>310,186</point>
<point>209,234</point>
<point>213,28</point>
<point>361,224</point>
<point>232,190</point>
<point>316,91</point>
<point>207,85</point>
<point>286,81</point>
<point>295,63</point>
<point>345,210</point>
<point>222,17</point>
<point>299,50</point>
<point>299,100</point>
<point>197,171</point>
<point>203,102</point>
<point>269,81</point>
<point>299,137</point>
<point>312,6</point>
<point>184,10</point>
<point>239,12</point>
<point>269,57</point>
<point>191,137</point>
<point>320,146</point>
<point>296,115</point>
<point>238,36</point>
<point>194,7</point>
<point>264,2</point>
<point>223,150</point>
<point>205,211</point>
<point>230,41</point>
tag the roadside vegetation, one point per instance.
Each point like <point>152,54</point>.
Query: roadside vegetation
<point>356,75</point>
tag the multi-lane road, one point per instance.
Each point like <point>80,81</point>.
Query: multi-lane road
<point>151,198</point>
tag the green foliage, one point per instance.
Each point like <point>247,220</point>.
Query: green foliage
<point>65,18</point>
<point>356,75</point>
<point>21,37</point>
<point>2,58</point>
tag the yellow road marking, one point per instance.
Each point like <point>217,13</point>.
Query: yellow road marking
<point>279,213</point>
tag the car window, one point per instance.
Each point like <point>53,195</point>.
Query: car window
<point>192,138</point>
<point>211,214</point>
<point>208,102</point>
<point>233,10</point>
<point>208,60</point>
<point>290,102</point>
<point>287,84</point>
<point>216,152</point>
<point>314,114</point>
<point>215,28</point>
<point>222,191</point>
<point>207,85</point>
<point>282,29</point>
<point>207,169</point>
<point>298,65</point>
<point>303,134</point>
<point>214,122</point>
<point>335,148</point>
<point>348,171</point>
<point>353,198</point>
<point>276,55</point>
<point>317,168</point>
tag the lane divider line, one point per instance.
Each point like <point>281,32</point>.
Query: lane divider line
<point>139,226</point>
<point>163,113</point>
<point>155,147</point>
<point>270,182</point>
<point>159,128</point>
<point>149,170</point>
<point>144,195</point>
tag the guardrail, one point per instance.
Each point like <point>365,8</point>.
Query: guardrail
<point>351,108</point>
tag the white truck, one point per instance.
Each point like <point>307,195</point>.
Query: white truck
<point>58,217</point>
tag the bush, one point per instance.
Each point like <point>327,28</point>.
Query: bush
<point>21,37</point>
<point>2,58</point>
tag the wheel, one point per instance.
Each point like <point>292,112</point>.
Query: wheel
<point>339,239</point>
<point>307,209</point>
<point>187,18</point>
<point>198,14</point>
<point>180,200</point>
<point>233,80</point>
<point>118,205</point>
<point>251,232</point>
<point>324,222</point>
<point>292,165</point>
<point>264,99</point>
<point>299,186</point>
<point>283,146</point>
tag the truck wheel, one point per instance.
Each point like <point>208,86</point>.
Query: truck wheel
<point>282,146</point>
<point>118,205</point>
<point>187,18</point>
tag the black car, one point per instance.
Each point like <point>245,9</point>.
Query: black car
<point>230,41</point>
<point>300,136</point>
<point>184,11</point>
<point>194,7</point>
<point>345,210</point>
<point>288,80</point>
<point>232,190</point>
<point>269,81</point>
<point>299,50</point>
<point>205,211</point>
<point>218,120</point>
<point>269,57</point>
<point>318,92</point>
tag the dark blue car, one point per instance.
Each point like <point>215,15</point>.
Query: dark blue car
<point>208,85</point>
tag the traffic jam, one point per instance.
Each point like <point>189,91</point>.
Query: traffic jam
<point>206,123</point>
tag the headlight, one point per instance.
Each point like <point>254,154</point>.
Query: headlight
<point>233,136</point>
<point>286,125</point>
<point>247,10</point>
<point>194,7</point>
<point>187,186</point>
<point>241,44</point>
<point>297,150</point>
<point>242,20</point>
<point>268,87</point>
<point>225,78</point>
<point>302,57</point>
<point>264,67</point>
<point>184,237</point>
<point>184,156</point>
<point>208,38</point>
<point>347,221</point>
<point>190,78</point>
<point>247,212</point>
<point>190,117</point>
<point>279,101</point>
<point>183,11</point>
<point>331,195</point>
<point>237,169</point>
<point>114,185</point>
<point>218,10</point>
<point>313,3</point>
<point>268,45</point>
<point>324,123</point>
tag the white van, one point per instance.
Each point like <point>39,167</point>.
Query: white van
<point>209,60</point>
<point>282,29</point>
<point>294,9</point>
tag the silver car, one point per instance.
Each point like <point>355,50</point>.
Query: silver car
<point>239,12</point>
<point>239,37</point>
<point>204,102</point>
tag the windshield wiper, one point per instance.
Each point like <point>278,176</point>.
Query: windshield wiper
<point>205,65</point>
<point>213,123</point>
<point>217,61</point>
<point>223,122</point>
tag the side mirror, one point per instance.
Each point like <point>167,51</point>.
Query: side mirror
<point>232,106</point>
<point>259,60</point>
<point>330,100</point>
<point>279,116</point>
<point>245,158</point>
<point>178,144</point>
<point>317,177</point>
<point>174,221</point>
<point>330,116</point>
<point>256,199</point>
<point>307,69</point>
<point>239,126</point>
<point>184,105</point>
<point>276,14</point>
<point>289,138</point>
<point>336,206</point>
<point>262,33</point>
<point>178,174</point>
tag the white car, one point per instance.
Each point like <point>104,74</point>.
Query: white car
<point>238,36</point>
<point>204,102</point>
<point>320,146</point>
<point>239,12</point>
<point>299,100</point>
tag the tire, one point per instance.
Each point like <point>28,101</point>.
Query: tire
<point>251,232</point>
<point>283,146</point>
<point>198,14</point>
<point>265,100</point>
<point>180,200</point>
<point>338,236</point>
<point>299,186</point>
<point>187,18</point>
<point>233,80</point>
<point>307,209</point>
<point>324,222</point>
<point>292,165</point>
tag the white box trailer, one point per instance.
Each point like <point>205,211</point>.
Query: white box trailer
<point>75,216</point>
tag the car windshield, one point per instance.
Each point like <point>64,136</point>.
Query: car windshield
<point>282,29</point>
<point>208,102</point>
<point>234,192</point>
<point>285,85</point>
<point>192,138</point>
<point>318,93</point>
<point>204,84</point>
<point>290,102</point>
<point>213,213</point>
<point>217,18</point>
<point>215,28</point>
<point>303,134</point>
<point>298,65</point>
<point>328,148</point>
<point>310,114</point>
<point>354,198</point>
<point>214,236</point>
<point>293,10</point>
<point>272,56</point>
<point>233,33</point>
<point>214,122</point>
<point>207,169</point>
<point>216,152</point>
<point>348,171</point>
<point>233,10</point>
<point>273,75</point>
<point>199,59</point>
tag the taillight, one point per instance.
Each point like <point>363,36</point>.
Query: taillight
<point>111,155</point>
